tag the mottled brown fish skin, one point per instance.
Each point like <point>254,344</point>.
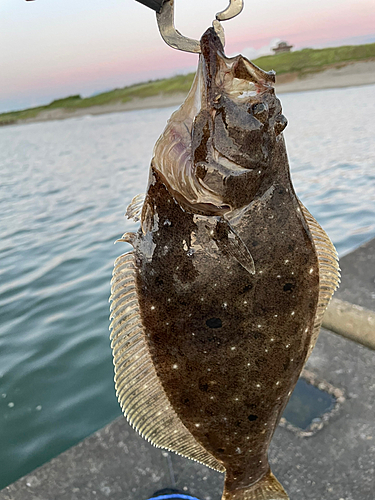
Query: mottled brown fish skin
<point>228,345</point>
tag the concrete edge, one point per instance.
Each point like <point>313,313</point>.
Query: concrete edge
<point>351,321</point>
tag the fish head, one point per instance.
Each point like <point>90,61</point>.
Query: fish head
<point>217,150</point>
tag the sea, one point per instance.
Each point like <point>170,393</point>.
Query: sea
<point>65,186</point>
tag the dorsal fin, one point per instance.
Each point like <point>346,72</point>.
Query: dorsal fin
<point>135,208</point>
<point>329,271</point>
<point>138,388</point>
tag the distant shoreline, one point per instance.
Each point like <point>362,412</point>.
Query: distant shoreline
<point>335,76</point>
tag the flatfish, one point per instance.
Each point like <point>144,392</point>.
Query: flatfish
<point>218,306</point>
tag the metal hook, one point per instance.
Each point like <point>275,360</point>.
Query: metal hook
<point>174,39</point>
<point>234,8</point>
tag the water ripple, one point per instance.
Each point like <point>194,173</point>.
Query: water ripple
<point>65,187</point>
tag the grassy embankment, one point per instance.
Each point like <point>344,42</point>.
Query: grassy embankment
<point>300,62</point>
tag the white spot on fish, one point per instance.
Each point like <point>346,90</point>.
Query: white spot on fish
<point>186,248</point>
<point>233,348</point>
<point>167,324</point>
<point>286,261</point>
<point>236,399</point>
<point>225,305</point>
<point>197,425</point>
<point>278,382</point>
<point>292,313</point>
<point>175,366</point>
<point>238,450</point>
<point>258,385</point>
<point>287,346</point>
<point>152,308</point>
<point>272,339</point>
<point>311,271</point>
<point>259,326</point>
<point>306,330</point>
<point>248,364</point>
<point>245,302</point>
<point>278,276</point>
<point>38,408</point>
<point>11,405</point>
<point>275,316</point>
<point>265,350</point>
<point>202,299</point>
<point>208,369</point>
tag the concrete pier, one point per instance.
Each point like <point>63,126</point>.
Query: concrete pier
<point>337,462</point>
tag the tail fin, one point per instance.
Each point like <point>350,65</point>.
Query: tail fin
<point>267,488</point>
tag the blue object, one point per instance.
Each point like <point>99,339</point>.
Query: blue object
<point>174,496</point>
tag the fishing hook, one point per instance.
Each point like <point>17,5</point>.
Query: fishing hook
<point>173,38</point>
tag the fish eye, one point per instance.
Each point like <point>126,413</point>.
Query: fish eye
<point>280,123</point>
<point>260,111</point>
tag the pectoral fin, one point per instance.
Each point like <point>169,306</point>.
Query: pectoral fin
<point>230,244</point>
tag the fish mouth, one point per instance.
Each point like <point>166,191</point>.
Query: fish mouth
<point>217,148</point>
<point>235,77</point>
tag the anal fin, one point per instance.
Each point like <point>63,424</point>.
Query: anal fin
<point>138,387</point>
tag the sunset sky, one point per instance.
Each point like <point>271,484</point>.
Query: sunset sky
<point>55,48</point>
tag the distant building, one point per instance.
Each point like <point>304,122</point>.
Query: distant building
<point>282,47</point>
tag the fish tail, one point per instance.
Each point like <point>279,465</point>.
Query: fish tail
<point>267,488</point>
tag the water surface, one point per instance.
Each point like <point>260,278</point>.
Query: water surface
<point>65,186</point>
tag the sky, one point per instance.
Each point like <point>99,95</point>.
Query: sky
<point>55,48</point>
